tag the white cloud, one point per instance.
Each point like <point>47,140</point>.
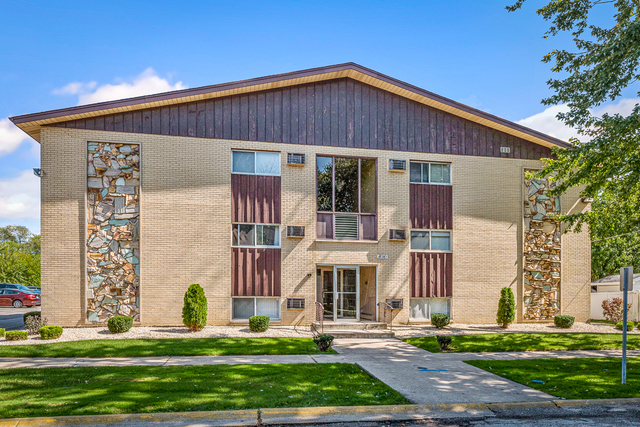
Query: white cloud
<point>10,137</point>
<point>146,83</point>
<point>546,121</point>
<point>20,197</point>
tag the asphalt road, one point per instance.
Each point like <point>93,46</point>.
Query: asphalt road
<point>11,318</point>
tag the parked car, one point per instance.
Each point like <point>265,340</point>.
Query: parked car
<point>19,287</point>
<point>18,298</point>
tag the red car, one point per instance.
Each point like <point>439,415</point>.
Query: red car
<point>11,297</point>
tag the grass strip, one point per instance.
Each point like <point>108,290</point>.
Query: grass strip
<point>528,342</point>
<point>145,389</point>
<point>584,378</point>
<point>165,347</point>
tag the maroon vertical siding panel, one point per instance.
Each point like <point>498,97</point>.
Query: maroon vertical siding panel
<point>268,120</point>
<point>431,206</point>
<point>255,199</point>
<point>431,275</point>
<point>255,271</point>
<point>253,118</point>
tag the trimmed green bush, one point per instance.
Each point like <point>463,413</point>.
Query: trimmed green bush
<point>444,341</point>
<point>506,308</point>
<point>323,341</point>
<point>30,314</point>
<point>194,311</point>
<point>16,335</point>
<point>119,324</point>
<point>630,325</point>
<point>563,321</point>
<point>259,323</point>
<point>50,332</point>
<point>1,332</point>
<point>440,320</point>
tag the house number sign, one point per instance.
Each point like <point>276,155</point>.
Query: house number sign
<point>383,256</point>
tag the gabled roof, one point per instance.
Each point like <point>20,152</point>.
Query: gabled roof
<point>31,123</point>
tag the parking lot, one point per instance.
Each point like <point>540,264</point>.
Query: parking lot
<point>11,318</point>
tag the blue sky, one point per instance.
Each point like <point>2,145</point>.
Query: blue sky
<point>58,54</point>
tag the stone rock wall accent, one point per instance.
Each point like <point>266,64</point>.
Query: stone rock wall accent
<point>113,223</point>
<point>542,238</point>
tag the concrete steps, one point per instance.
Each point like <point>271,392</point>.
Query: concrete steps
<point>354,333</point>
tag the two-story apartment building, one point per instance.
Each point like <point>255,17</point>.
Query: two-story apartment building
<point>335,185</point>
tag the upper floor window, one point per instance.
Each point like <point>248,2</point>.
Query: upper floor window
<point>430,240</point>
<point>255,163</point>
<point>256,235</point>
<point>346,184</point>
<point>430,173</point>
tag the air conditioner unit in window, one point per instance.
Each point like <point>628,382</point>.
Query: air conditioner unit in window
<point>295,159</point>
<point>398,235</point>
<point>346,227</point>
<point>396,165</point>
<point>295,231</point>
<point>295,303</point>
<point>395,303</point>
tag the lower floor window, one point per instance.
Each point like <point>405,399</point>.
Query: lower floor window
<point>245,307</point>
<point>423,308</point>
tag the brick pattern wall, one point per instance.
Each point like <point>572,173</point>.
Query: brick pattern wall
<point>186,203</point>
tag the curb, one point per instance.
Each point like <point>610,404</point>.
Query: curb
<point>329,414</point>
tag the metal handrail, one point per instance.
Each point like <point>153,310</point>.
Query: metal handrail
<point>389,308</point>
<point>320,315</point>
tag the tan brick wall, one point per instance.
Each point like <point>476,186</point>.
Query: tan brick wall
<point>186,215</point>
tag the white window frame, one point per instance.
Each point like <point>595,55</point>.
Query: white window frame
<point>432,163</point>
<point>255,308</point>
<point>255,235</point>
<point>255,163</point>
<point>427,319</point>
<point>429,230</point>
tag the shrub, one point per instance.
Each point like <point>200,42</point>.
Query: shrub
<point>444,342</point>
<point>34,323</point>
<point>118,324</point>
<point>612,309</point>
<point>259,323</point>
<point>194,311</point>
<point>50,332</point>
<point>1,332</point>
<point>440,320</point>
<point>16,335</point>
<point>630,325</point>
<point>323,341</point>
<point>506,308</point>
<point>29,314</point>
<point>563,321</point>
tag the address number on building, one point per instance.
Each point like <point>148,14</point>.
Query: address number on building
<point>383,256</point>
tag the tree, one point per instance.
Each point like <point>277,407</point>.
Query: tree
<point>606,164</point>
<point>506,308</point>
<point>14,233</point>
<point>19,256</point>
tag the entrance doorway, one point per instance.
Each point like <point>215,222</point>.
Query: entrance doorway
<point>339,290</point>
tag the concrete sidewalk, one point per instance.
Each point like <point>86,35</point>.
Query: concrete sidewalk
<point>420,376</point>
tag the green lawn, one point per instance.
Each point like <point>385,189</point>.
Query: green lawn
<point>164,347</point>
<point>125,390</point>
<point>528,342</point>
<point>588,378</point>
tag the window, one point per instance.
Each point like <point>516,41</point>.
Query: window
<point>423,308</point>
<point>346,197</point>
<point>255,235</point>
<point>430,240</point>
<point>255,163</point>
<point>430,173</point>
<point>245,307</point>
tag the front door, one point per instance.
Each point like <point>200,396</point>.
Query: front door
<point>347,293</point>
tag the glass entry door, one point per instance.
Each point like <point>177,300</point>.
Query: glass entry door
<point>347,293</point>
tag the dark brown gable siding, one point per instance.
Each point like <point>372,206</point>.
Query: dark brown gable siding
<point>255,272</point>
<point>340,113</point>
<point>431,206</point>
<point>431,275</point>
<point>255,199</point>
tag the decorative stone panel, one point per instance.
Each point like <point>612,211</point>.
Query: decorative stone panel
<point>542,239</point>
<point>113,224</point>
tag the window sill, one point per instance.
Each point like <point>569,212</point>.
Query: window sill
<point>432,183</point>
<point>428,251</point>
<point>347,241</point>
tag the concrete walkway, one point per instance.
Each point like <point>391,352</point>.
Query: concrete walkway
<point>422,377</point>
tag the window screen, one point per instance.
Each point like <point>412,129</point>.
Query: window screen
<point>420,240</point>
<point>268,307</point>
<point>440,241</point>
<point>243,308</point>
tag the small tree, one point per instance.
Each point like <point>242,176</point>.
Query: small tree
<point>506,308</point>
<point>194,311</point>
<point>612,309</point>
